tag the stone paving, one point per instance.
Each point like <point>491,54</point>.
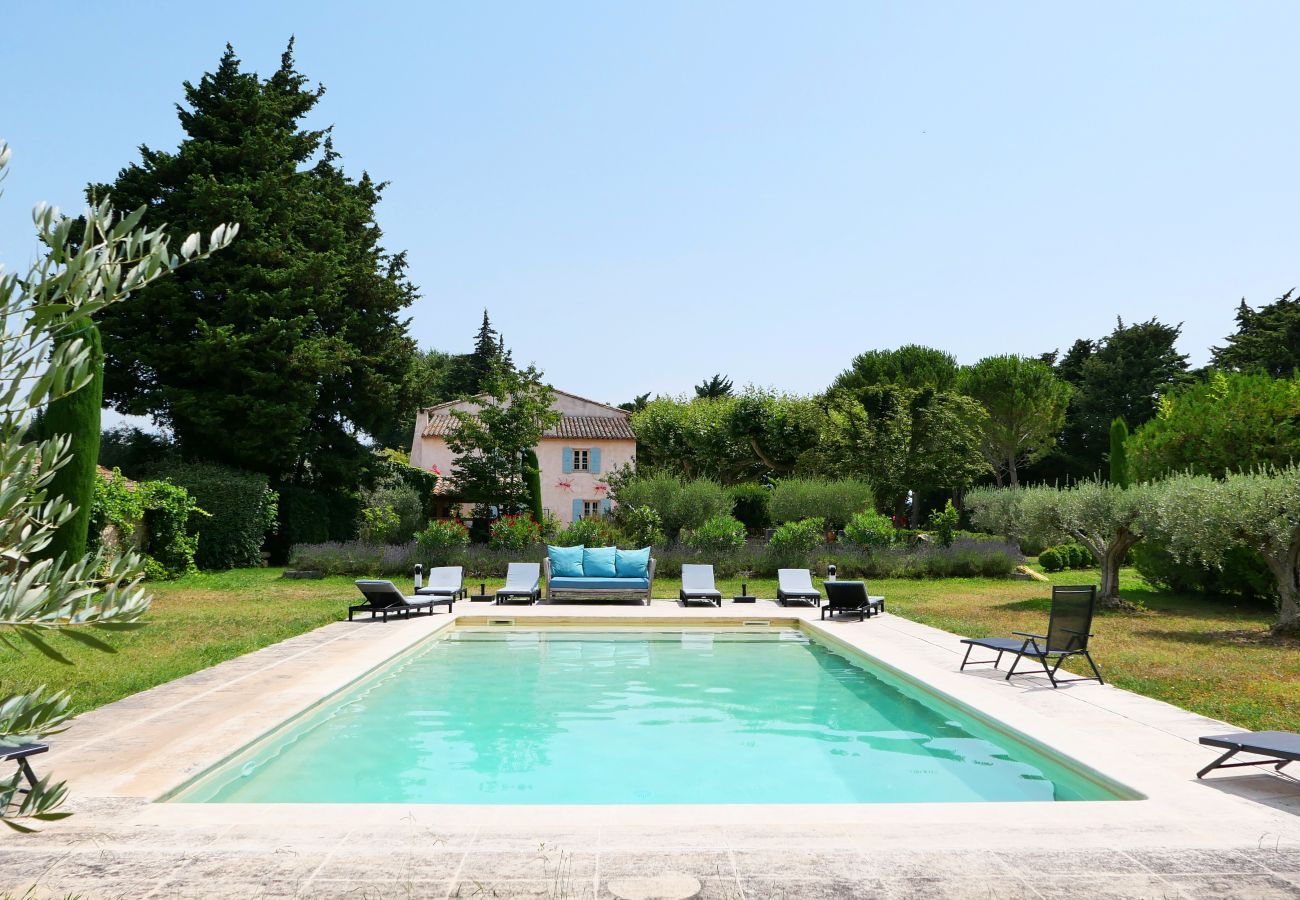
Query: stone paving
<point>1233,836</point>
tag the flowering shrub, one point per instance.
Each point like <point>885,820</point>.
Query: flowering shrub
<point>514,533</point>
<point>869,529</point>
<point>720,534</point>
<point>441,538</point>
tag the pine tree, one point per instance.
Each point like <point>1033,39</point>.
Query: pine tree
<point>278,355</point>
<point>1267,339</point>
<point>472,373</point>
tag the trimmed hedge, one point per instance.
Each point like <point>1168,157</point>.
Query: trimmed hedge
<point>240,506</point>
<point>796,499</point>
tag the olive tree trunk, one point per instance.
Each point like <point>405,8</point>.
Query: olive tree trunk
<point>1285,567</point>
<point>1110,556</point>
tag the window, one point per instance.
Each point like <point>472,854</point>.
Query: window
<point>590,508</point>
<point>581,460</point>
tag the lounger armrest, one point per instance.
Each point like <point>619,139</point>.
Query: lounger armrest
<point>1025,634</point>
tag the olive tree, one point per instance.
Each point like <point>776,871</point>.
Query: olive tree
<point>89,264</point>
<point>1105,518</point>
<point>1203,518</point>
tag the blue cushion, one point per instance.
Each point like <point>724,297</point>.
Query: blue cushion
<point>600,584</point>
<point>566,562</point>
<point>598,562</point>
<point>633,563</point>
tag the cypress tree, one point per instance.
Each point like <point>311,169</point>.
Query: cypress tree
<point>77,416</point>
<point>533,484</point>
<point>282,353</point>
<point>1119,467</point>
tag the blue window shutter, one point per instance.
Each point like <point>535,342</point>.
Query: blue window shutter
<point>594,459</point>
<point>577,510</point>
<point>605,506</point>
<point>568,460</point>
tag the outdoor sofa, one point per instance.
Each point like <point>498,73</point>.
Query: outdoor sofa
<point>384,599</point>
<point>585,573</point>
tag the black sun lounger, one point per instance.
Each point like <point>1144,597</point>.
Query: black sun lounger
<point>851,597</point>
<point>1068,630</point>
<point>18,753</point>
<point>1281,747</point>
<point>383,598</point>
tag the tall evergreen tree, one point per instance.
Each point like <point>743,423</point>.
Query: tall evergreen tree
<point>472,374</point>
<point>1267,339</point>
<point>714,388</point>
<point>280,354</point>
<point>1124,375</point>
<point>1118,457</point>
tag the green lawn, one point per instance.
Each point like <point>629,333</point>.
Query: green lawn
<point>1210,656</point>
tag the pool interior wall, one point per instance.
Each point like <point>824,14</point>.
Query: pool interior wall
<point>641,713</point>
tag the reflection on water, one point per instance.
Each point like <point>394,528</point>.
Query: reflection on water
<point>512,716</point>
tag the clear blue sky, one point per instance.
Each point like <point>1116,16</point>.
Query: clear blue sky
<point>644,194</point>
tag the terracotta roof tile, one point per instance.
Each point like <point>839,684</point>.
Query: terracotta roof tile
<point>607,428</point>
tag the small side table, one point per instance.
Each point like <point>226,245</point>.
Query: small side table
<point>744,595</point>
<point>482,596</point>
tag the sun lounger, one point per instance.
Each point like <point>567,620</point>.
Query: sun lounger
<point>697,584</point>
<point>18,753</point>
<point>796,584</point>
<point>383,598</point>
<point>1281,748</point>
<point>1068,630</point>
<point>523,582</point>
<point>443,581</point>
<point>851,597</point>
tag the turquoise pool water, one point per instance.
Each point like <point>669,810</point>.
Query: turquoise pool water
<point>532,716</point>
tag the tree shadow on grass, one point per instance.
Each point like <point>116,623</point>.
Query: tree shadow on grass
<point>1235,637</point>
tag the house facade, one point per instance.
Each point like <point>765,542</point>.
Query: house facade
<point>590,441</point>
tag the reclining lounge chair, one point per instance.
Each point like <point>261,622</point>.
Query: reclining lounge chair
<point>851,597</point>
<point>1281,748</point>
<point>1068,630</point>
<point>796,584</point>
<point>523,582</point>
<point>18,753</point>
<point>383,598</point>
<point>444,581</point>
<point>697,584</point>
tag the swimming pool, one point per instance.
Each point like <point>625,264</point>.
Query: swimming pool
<point>573,715</point>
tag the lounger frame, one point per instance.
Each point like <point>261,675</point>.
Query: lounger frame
<point>866,607</point>
<point>1063,643</point>
<point>400,607</point>
<point>710,595</point>
<point>1261,743</point>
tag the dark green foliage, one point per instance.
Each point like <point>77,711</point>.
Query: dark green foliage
<point>1232,422</point>
<point>157,518</point>
<point>1050,560</point>
<point>470,375</point>
<point>679,503</point>
<point>1118,457</point>
<point>750,504</point>
<point>1267,339</point>
<point>911,366</point>
<point>1243,574</point>
<point>944,523</point>
<point>76,416</point>
<point>793,541</point>
<point>277,354</point>
<point>714,388</point>
<point>240,506</point>
<point>637,403</point>
<point>718,535</point>
<point>440,539</point>
<point>518,533</point>
<point>869,529</point>
<point>426,383</point>
<point>592,532</point>
<point>1025,404</point>
<point>533,484</point>
<point>639,526</point>
<point>794,499</point>
<point>1124,375</point>
<point>303,519</point>
<point>133,450</point>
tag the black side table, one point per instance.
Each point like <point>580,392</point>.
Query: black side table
<point>744,595</point>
